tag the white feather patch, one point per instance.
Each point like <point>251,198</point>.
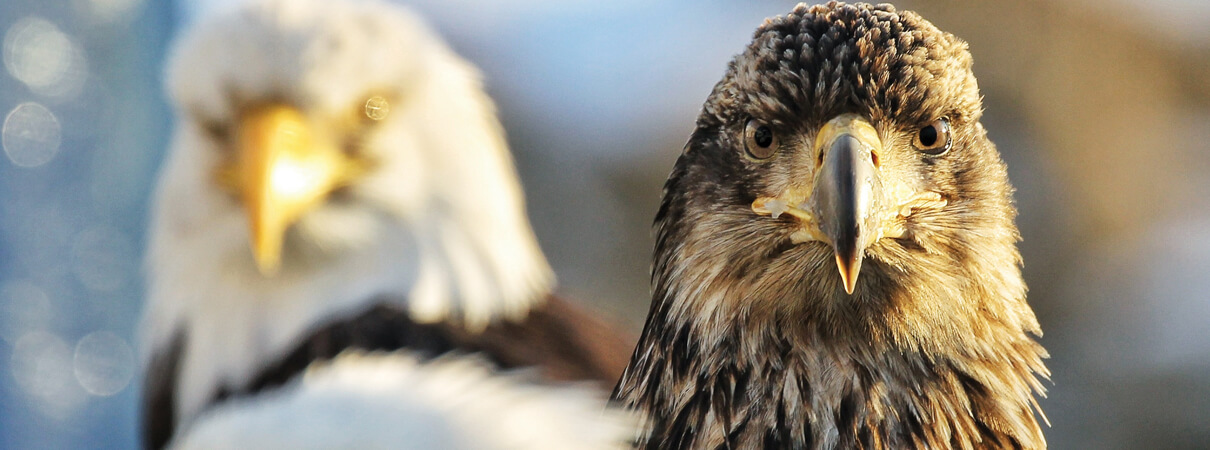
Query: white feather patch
<point>391,400</point>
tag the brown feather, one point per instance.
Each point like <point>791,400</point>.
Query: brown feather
<point>562,341</point>
<point>159,399</point>
<point>751,340</point>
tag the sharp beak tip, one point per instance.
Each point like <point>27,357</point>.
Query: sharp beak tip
<point>266,250</point>
<point>267,265</point>
<point>850,268</point>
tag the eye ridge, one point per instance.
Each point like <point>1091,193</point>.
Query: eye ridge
<point>217,131</point>
<point>934,139</point>
<point>760,141</point>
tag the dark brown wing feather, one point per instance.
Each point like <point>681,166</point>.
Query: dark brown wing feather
<point>562,341</point>
<point>565,341</point>
<point>159,397</point>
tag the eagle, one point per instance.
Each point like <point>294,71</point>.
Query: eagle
<point>338,185</point>
<point>835,261</point>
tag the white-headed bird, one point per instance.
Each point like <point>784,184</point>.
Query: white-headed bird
<point>338,181</point>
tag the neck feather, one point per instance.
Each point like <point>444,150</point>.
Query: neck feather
<point>734,353</point>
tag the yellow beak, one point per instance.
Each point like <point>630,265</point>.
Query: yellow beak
<point>283,168</point>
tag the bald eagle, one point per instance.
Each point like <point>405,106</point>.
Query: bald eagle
<point>338,181</point>
<point>836,262</point>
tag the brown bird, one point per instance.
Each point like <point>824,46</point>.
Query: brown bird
<point>844,137</point>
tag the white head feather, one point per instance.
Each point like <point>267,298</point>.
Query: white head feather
<point>363,400</point>
<point>439,223</point>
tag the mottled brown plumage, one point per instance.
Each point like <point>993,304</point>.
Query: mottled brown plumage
<point>752,340</point>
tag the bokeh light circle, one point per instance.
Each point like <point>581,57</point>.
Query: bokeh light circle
<point>47,60</point>
<point>41,364</point>
<point>30,135</point>
<point>103,363</point>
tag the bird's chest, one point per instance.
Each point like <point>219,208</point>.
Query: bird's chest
<point>808,400</point>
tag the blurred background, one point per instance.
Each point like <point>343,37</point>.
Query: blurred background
<point>1102,110</point>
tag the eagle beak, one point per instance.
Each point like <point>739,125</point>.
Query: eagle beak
<point>846,187</point>
<point>283,168</point>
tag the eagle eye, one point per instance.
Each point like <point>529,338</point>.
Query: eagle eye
<point>934,138</point>
<point>759,140</point>
<point>377,108</point>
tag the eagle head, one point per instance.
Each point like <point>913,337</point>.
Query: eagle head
<point>839,174</point>
<point>313,135</point>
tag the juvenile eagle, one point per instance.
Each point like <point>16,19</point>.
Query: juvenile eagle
<point>844,137</point>
<point>338,181</point>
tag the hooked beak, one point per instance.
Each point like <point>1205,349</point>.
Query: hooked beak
<point>282,169</point>
<point>846,187</point>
